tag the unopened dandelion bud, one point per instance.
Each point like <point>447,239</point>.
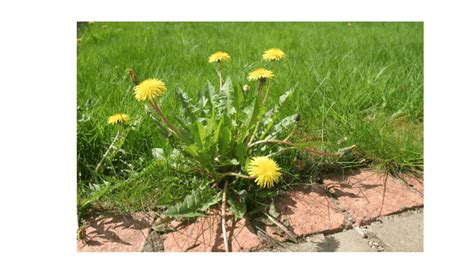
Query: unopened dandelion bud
<point>133,76</point>
<point>246,88</point>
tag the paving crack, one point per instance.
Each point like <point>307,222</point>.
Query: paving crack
<point>376,243</point>
<point>348,218</point>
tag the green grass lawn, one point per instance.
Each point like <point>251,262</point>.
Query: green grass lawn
<point>362,82</point>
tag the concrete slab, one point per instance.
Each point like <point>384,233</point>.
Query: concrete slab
<point>205,235</point>
<point>361,194</point>
<point>308,210</point>
<point>401,233</point>
<point>154,242</point>
<point>346,241</point>
<point>117,233</point>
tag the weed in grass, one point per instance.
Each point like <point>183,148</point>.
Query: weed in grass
<point>359,84</point>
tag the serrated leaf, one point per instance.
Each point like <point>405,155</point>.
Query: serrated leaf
<point>281,101</point>
<point>225,137</point>
<point>192,150</point>
<point>210,201</point>
<point>216,132</point>
<point>248,112</point>
<point>98,191</point>
<point>211,95</point>
<point>228,91</point>
<point>253,114</point>
<point>272,116</point>
<point>237,207</point>
<point>199,132</point>
<point>241,152</point>
<point>194,204</point>
<point>185,104</point>
<point>238,99</point>
<point>282,126</point>
<point>254,118</point>
<point>211,127</point>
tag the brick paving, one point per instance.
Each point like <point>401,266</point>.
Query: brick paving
<point>205,235</point>
<point>361,194</point>
<point>306,210</point>
<point>116,233</point>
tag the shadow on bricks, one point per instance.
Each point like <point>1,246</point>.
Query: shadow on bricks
<point>367,195</point>
<point>308,210</point>
<point>116,233</point>
<point>205,234</point>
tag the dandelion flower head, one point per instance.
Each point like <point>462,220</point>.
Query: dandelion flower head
<point>273,54</point>
<point>259,74</point>
<point>149,89</point>
<point>265,170</point>
<point>118,118</point>
<point>219,56</point>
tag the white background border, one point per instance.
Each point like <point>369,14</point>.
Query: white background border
<point>38,136</point>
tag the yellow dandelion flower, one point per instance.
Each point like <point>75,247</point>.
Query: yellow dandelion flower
<point>219,56</point>
<point>259,74</point>
<point>118,118</point>
<point>273,54</point>
<point>265,170</point>
<point>149,89</point>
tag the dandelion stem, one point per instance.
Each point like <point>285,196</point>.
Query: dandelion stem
<point>224,201</point>
<point>116,138</point>
<point>269,83</point>
<point>157,109</point>
<point>237,175</point>
<point>271,141</point>
<point>260,82</point>
<point>219,74</point>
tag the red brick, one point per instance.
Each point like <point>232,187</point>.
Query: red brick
<point>117,233</point>
<point>415,183</point>
<point>205,235</point>
<point>361,194</point>
<point>308,211</point>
